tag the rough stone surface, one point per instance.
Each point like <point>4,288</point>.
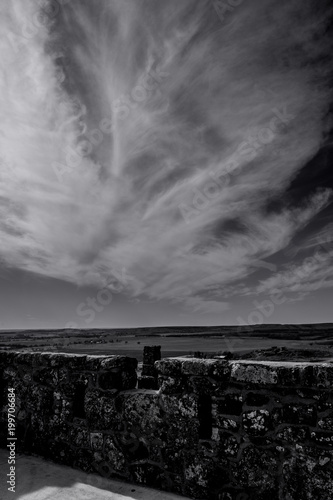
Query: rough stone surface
<point>207,428</point>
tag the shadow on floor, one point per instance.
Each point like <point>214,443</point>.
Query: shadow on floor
<point>39,479</point>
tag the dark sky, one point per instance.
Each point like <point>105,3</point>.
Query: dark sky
<point>165,162</point>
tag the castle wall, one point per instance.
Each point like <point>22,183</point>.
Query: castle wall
<point>214,429</point>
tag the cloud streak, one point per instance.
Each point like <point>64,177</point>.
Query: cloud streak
<point>117,205</point>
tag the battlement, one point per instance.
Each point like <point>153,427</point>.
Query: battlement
<point>211,429</point>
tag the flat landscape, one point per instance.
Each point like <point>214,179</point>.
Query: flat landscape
<point>177,341</point>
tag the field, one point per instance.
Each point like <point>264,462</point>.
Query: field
<point>174,341</point>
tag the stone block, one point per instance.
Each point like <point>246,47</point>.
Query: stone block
<point>79,437</point>
<point>149,474</point>
<point>123,362</point>
<point>84,460</point>
<point>185,406</point>
<point>322,438</point>
<point>256,373</point>
<point>226,423</point>
<point>257,469</point>
<point>323,375</point>
<point>326,423</point>
<point>46,376</point>
<point>113,454</point>
<point>299,414</point>
<point>149,370</point>
<point>110,380</point>
<point>257,422</point>
<point>129,380</point>
<point>171,385</point>
<point>202,385</point>
<point>101,410</point>
<point>307,474</point>
<point>96,440</point>
<point>228,445</point>
<point>292,435</point>
<point>169,366</point>
<point>151,354</point>
<point>199,367</point>
<point>141,410</point>
<point>203,477</point>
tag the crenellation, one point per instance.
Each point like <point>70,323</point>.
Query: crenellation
<point>210,429</point>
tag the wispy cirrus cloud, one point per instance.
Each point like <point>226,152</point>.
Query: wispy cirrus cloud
<point>117,206</point>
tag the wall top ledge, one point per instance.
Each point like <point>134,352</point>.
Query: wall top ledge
<point>257,372</point>
<point>287,364</point>
<point>71,360</point>
<point>65,354</point>
<point>183,361</point>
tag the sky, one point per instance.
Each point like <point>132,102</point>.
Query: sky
<point>165,163</point>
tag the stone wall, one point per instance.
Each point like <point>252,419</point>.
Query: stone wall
<point>214,429</point>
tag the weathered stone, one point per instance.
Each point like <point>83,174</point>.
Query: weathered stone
<point>39,400</point>
<point>110,380</point>
<point>325,403</point>
<point>229,424</point>
<point>228,445</point>
<point>146,473</point>
<point>257,469</point>
<point>169,366</point>
<point>79,437</point>
<point>124,362</point>
<point>323,375</point>
<point>172,458</point>
<point>63,407</point>
<point>84,460</point>
<point>10,373</point>
<point>141,409</point>
<point>322,438</point>
<point>61,452</point>
<point>202,385</point>
<point>326,423</point>
<point>101,411</point>
<point>208,442</point>
<point>114,456</point>
<point>96,440</point>
<point>180,407</point>
<point>203,477</point>
<point>299,414</point>
<point>195,366</point>
<point>171,385</point>
<point>46,376</point>
<point>293,435</point>
<point>306,475</point>
<point>257,422</point>
<point>149,370</point>
<point>253,373</point>
<point>180,435</point>
<point>151,354</point>
<point>222,371</point>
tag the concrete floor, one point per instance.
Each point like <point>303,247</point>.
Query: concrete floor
<point>38,479</point>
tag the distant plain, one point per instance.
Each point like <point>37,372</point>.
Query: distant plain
<point>175,341</point>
